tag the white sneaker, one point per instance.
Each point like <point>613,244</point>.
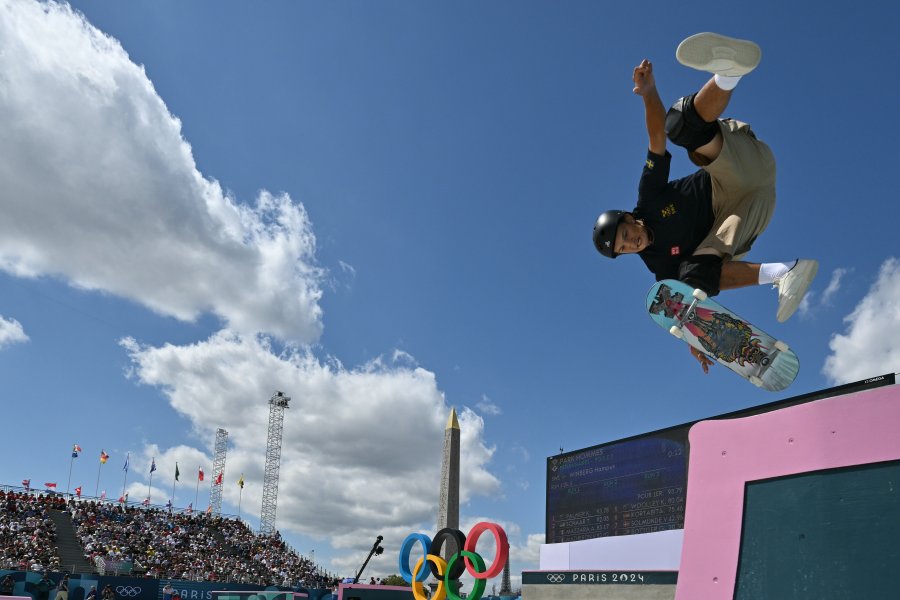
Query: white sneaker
<point>792,287</point>
<point>719,54</point>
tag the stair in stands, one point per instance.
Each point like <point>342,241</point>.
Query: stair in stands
<point>220,540</point>
<point>71,553</point>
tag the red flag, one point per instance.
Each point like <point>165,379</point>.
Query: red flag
<point>200,474</point>
<point>121,498</point>
<point>26,483</point>
<point>146,502</point>
<point>50,485</point>
<point>78,491</point>
<point>219,478</point>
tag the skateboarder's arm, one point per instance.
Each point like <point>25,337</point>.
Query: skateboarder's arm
<point>654,111</point>
<point>702,271</point>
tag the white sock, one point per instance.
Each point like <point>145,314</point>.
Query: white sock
<point>772,272</point>
<point>727,82</point>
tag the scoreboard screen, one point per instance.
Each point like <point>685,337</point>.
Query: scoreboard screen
<point>637,485</point>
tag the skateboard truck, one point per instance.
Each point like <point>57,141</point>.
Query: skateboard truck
<point>687,314</point>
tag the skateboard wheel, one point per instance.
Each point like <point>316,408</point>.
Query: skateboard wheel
<point>699,294</point>
<point>781,346</point>
<point>765,361</point>
<point>756,381</point>
<point>676,331</point>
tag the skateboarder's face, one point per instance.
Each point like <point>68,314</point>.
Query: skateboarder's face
<point>631,236</point>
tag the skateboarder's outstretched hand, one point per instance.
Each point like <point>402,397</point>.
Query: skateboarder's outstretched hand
<point>705,361</point>
<point>644,81</point>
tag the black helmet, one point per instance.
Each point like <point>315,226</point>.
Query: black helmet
<point>605,232</point>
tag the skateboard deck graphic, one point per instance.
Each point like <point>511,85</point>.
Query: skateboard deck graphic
<point>724,336</point>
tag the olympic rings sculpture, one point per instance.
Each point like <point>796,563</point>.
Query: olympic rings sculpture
<point>465,559</point>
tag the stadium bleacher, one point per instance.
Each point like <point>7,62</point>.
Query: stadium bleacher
<point>153,542</point>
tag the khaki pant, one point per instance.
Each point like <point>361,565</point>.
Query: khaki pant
<point>743,190</point>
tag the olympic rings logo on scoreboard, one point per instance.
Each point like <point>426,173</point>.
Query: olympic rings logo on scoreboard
<point>128,591</point>
<point>465,559</point>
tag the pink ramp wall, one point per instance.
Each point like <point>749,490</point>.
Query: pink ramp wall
<point>835,432</point>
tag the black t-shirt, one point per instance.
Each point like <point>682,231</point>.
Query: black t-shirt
<point>678,212</point>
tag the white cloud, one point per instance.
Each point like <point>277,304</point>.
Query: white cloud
<point>362,447</point>
<point>805,304</point>
<point>812,301</point>
<point>530,552</point>
<point>101,190</point>
<point>487,406</point>
<point>347,268</point>
<point>833,285</point>
<point>871,343</point>
<point>11,332</point>
<point>521,451</point>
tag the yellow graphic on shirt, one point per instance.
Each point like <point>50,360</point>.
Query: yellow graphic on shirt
<point>650,164</point>
<point>668,211</point>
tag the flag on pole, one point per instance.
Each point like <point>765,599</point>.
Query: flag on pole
<point>146,501</point>
<point>209,509</point>
<point>169,504</point>
<point>241,481</point>
<point>190,508</point>
<point>103,495</point>
<point>200,474</point>
<point>153,464</point>
<point>177,473</point>
<point>219,478</point>
<point>103,457</point>
<point>125,468</point>
<point>26,483</point>
<point>78,491</point>
<point>75,450</point>
<point>50,485</point>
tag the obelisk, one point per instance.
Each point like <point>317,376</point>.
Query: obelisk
<point>448,507</point>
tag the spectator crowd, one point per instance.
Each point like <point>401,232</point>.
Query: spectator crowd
<point>171,545</point>
<point>158,543</point>
<point>27,534</point>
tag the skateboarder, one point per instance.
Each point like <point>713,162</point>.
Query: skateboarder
<point>697,228</point>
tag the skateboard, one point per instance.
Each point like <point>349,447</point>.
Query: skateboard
<point>732,341</point>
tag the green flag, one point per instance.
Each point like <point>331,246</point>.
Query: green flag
<point>176,472</point>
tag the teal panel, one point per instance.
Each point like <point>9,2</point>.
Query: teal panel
<point>821,535</point>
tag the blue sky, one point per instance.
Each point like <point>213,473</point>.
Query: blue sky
<point>384,209</point>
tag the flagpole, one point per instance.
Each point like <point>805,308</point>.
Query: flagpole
<point>197,491</point>
<point>71,462</point>
<point>240,495</point>
<point>97,487</point>
<point>174,479</point>
<point>150,485</point>
<point>125,478</point>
